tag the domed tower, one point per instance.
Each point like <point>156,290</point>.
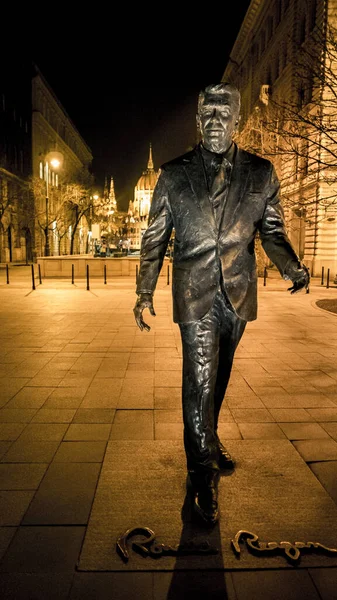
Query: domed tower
<point>144,189</point>
<point>139,208</point>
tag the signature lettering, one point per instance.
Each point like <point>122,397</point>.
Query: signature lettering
<point>291,550</point>
<point>149,547</point>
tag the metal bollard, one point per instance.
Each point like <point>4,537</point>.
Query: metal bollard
<point>328,279</point>
<point>40,280</point>
<point>72,273</point>
<point>88,287</point>
<point>33,278</point>
<point>104,274</point>
<point>7,273</point>
<point>265,275</point>
<point>168,274</point>
<point>322,280</point>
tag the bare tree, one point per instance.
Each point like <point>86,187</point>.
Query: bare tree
<point>299,133</point>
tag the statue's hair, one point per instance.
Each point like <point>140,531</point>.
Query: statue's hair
<point>218,89</point>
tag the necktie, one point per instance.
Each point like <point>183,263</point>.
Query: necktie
<point>220,182</point>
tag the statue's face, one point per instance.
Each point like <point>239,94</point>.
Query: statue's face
<point>218,119</point>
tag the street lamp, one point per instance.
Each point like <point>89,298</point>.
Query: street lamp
<point>54,160</point>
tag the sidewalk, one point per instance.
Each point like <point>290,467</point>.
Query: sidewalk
<point>81,386</point>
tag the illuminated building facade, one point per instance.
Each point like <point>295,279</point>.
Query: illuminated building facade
<point>265,64</point>
<point>53,130</point>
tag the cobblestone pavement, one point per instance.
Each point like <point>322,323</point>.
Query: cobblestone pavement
<point>74,373</point>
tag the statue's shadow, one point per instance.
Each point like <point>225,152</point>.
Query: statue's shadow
<point>199,576</point>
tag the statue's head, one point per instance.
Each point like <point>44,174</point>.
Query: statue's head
<point>218,115</point>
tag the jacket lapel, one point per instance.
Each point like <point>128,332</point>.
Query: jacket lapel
<point>195,172</point>
<point>238,184</point>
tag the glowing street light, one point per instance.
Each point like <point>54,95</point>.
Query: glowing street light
<point>54,160</point>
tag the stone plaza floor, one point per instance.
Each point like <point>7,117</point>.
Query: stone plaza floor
<point>81,386</point>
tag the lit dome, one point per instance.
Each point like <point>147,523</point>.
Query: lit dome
<point>148,179</point>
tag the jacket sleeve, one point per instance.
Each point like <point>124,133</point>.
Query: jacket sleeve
<point>155,239</point>
<point>275,241</point>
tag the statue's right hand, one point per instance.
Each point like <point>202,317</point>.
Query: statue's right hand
<point>144,301</point>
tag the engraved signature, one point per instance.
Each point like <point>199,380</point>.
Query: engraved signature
<point>149,547</point>
<point>291,550</point>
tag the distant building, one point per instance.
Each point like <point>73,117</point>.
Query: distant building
<point>33,127</point>
<point>53,131</point>
<point>139,207</point>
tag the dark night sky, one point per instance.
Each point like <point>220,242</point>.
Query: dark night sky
<point>133,85</point>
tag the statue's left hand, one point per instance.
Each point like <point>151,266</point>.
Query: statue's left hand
<point>299,275</point>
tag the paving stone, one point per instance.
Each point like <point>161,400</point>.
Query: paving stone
<point>65,495</point>
<point>9,387</point>
<point>86,452</point>
<point>316,450</point>
<point>303,431</point>
<point>30,397</point>
<point>225,415</point>
<point>103,393</point>
<point>244,402</point>
<point>168,431</point>
<point>11,431</point>
<point>167,397</point>
<point>168,379</point>
<point>229,431</point>
<point>51,550</point>
<point>4,446</point>
<point>94,415</point>
<point>54,415</point>
<point>133,397</point>
<point>274,585</point>
<point>291,415</point>
<point>17,415</point>
<point>88,432</point>
<point>168,416</point>
<point>265,431</point>
<point>44,432</point>
<point>325,581</point>
<point>251,415</point>
<point>323,414</point>
<point>331,429</point>
<point>13,505</point>
<point>105,586</point>
<point>27,451</point>
<point>21,476</point>
<point>326,473</point>
<point>6,536</point>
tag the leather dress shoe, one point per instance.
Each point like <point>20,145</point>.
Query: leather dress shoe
<point>225,460</point>
<point>206,497</point>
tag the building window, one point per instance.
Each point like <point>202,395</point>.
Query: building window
<point>41,169</point>
<point>312,14</point>
<point>56,179</point>
<point>263,41</point>
<point>269,28</point>
<point>302,32</point>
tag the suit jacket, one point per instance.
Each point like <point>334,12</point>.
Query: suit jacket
<point>203,250</point>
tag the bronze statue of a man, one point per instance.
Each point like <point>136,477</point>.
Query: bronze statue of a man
<point>217,198</point>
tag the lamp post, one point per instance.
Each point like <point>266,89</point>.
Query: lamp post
<point>54,159</point>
